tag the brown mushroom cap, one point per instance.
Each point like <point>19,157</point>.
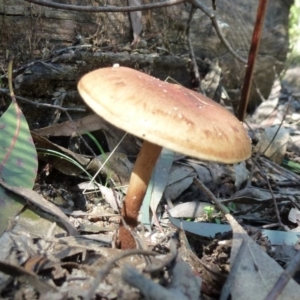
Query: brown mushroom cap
<point>165,114</point>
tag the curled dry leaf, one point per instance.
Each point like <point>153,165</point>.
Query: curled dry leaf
<point>273,143</point>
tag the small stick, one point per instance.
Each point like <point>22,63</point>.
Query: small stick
<point>106,268</point>
<point>256,37</point>
<point>97,9</point>
<point>210,195</point>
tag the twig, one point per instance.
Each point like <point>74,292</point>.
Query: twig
<point>191,49</point>
<point>80,135</point>
<point>280,125</point>
<point>210,195</point>
<point>97,9</point>
<point>184,284</point>
<point>29,277</point>
<point>284,278</point>
<point>169,258</point>
<point>55,52</point>
<point>257,32</point>
<point>271,192</point>
<point>106,268</point>
<point>64,109</point>
<point>198,4</point>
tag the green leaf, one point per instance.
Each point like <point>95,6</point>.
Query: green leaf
<point>18,161</point>
<point>291,165</point>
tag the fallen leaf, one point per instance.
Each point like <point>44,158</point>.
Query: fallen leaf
<point>33,197</point>
<point>18,160</point>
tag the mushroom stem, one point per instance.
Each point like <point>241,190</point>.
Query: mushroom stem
<point>138,184</point>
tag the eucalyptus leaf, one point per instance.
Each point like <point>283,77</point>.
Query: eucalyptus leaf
<point>18,161</point>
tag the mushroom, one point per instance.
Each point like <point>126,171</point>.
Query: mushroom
<point>163,115</point>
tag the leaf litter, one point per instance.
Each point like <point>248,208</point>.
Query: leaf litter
<point>75,256</point>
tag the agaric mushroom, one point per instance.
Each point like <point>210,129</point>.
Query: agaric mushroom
<point>163,115</point>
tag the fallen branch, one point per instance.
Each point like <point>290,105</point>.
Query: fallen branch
<point>97,9</point>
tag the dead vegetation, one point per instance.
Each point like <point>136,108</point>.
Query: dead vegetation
<point>59,217</point>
